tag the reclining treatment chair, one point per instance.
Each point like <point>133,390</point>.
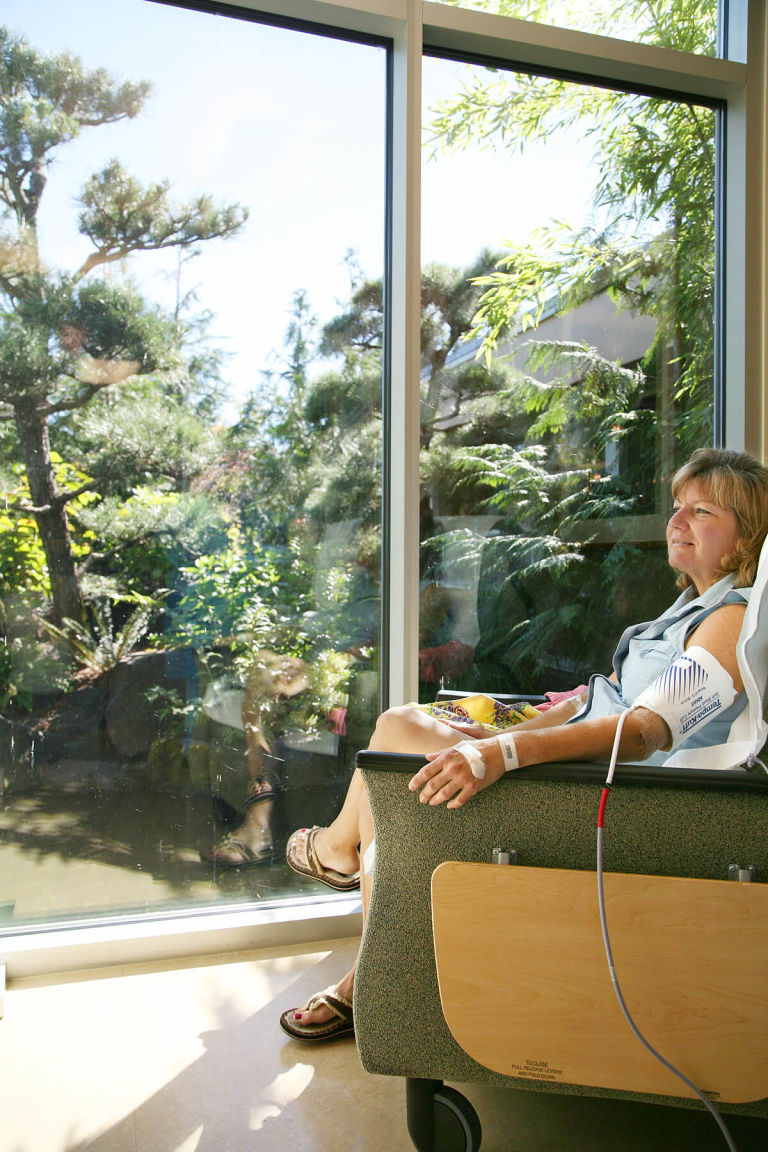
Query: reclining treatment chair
<point>473,971</point>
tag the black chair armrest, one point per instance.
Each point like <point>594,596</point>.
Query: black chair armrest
<point>502,697</point>
<point>637,775</point>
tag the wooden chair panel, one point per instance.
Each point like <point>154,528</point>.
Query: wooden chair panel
<point>526,991</point>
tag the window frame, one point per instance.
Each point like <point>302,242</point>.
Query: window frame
<point>409,28</point>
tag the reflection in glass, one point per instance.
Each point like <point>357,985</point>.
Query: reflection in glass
<point>686,25</point>
<point>575,370</point>
<point>189,451</point>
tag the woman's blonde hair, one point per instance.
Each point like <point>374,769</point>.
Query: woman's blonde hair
<point>736,481</point>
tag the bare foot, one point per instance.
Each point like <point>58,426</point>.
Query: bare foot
<point>322,1014</point>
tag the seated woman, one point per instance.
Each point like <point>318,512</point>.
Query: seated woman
<point>714,539</point>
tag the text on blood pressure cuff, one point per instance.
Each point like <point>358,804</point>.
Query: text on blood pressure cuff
<point>689,693</point>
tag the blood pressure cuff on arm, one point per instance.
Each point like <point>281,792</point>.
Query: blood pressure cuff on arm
<point>689,693</point>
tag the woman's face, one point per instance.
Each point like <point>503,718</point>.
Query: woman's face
<point>699,534</point>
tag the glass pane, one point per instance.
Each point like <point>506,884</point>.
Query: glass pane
<point>189,450</point>
<point>685,25</point>
<point>567,371</point>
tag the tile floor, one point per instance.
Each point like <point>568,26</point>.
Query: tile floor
<point>189,1057</point>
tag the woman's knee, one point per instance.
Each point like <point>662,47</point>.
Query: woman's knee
<point>394,726</point>
<point>406,728</point>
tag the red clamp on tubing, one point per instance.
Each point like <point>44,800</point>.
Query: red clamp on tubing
<point>603,802</point>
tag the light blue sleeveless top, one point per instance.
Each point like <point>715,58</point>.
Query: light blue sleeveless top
<point>645,650</point>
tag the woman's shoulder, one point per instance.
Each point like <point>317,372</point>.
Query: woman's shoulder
<point>719,632</point>
<point>721,609</point>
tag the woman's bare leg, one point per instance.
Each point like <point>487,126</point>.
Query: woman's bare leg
<point>398,730</point>
<point>401,729</point>
<point>345,986</point>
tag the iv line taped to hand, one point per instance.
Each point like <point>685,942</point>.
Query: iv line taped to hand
<point>474,757</point>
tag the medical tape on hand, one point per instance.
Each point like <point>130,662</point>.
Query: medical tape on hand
<point>506,742</point>
<point>689,693</point>
<point>473,756</point>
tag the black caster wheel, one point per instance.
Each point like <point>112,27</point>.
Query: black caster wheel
<point>440,1119</point>
<point>457,1127</point>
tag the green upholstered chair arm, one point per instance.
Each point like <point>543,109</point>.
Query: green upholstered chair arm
<point>659,822</point>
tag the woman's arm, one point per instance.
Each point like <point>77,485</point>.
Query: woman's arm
<point>554,716</point>
<point>557,714</point>
<point>719,634</point>
<point>448,777</point>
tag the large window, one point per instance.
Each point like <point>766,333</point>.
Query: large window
<point>308,326</point>
<point>190,394</point>
<point>568,366</point>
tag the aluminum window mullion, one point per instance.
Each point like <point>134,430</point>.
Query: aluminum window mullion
<point>746,264</point>
<point>743,251</point>
<point>403,423</point>
<point>606,60</point>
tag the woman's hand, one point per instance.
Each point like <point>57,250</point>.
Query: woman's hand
<point>468,728</point>
<point>448,776</point>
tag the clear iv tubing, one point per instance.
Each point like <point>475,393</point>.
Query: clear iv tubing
<point>607,944</point>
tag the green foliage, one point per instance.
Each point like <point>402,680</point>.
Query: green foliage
<point>23,566</point>
<point>546,589</point>
<point>141,436</point>
<point>65,342</point>
<point>22,559</point>
<point>68,337</point>
<point>148,536</point>
<point>121,217</point>
<point>186,520</point>
<point>359,329</point>
<point>558,563</point>
<point>548,573</point>
<point>586,389</point>
<point>651,243</point>
<point>173,712</point>
<point>97,649</point>
<point>46,101</point>
<point>343,476</point>
<point>228,593</point>
<point>247,612</point>
<point>29,666</point>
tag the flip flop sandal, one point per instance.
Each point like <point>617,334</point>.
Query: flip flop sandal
<point>341,881</point>
<point>340,1025</point>
<point>248,858</point>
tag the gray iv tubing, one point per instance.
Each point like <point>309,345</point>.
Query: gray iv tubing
<point>609,955</point>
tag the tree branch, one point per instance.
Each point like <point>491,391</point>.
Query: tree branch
<point>64,497</point>
<point>94,557</point>
<point>105,256</point>
<point>101,256</point>
<point>75,402</point>
<point>20,506</point>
